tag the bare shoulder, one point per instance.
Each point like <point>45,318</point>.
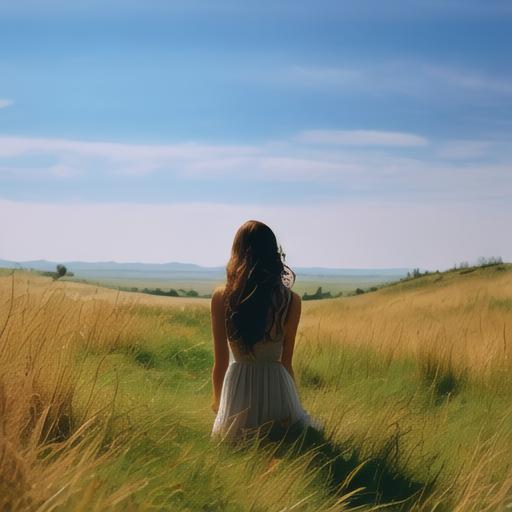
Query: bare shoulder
<point>219,290</point>
<point>294,309</point>
<point>218,295</point>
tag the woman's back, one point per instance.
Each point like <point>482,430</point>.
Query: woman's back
<point>258,392</point>
<point>269,348</point>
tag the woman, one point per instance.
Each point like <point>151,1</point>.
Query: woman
<point>254,323</point>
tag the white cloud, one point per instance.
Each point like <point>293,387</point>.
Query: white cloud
<point>416,78</point>
<point>11,146</point>
<point>466,149</point>
<point>282,162</point>
<point>368,163</point>
<point>4,103</point>
<point>119,158</point>
<point>364,234</point>
<point>470,80</point>
<point>362,138</point>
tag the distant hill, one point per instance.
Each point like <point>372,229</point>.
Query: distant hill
<point>103,267</point>
<point>75,266</point>
<point>351,272</point>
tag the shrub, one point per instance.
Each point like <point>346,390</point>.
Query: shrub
<point>61,271</point>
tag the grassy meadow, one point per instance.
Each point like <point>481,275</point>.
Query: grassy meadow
<point>105,402</point>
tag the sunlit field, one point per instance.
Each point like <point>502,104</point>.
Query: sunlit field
<point>105,402</point>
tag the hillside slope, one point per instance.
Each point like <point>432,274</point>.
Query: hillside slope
<point>464,314</point>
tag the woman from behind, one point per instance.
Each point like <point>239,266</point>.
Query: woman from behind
<point>254,323</point>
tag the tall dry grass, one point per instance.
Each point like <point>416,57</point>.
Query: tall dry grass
<point>426,366</point>
<point>62,443</point>
<point>461,323</point>
<point>47,455</point>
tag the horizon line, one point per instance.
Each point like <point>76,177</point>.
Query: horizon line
<point>211,267</point>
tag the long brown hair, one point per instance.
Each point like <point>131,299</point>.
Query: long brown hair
<point>255,269</point>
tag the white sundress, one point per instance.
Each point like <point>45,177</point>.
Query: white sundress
<point>258,393</point>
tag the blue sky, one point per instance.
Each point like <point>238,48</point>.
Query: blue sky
<point>366,133</point>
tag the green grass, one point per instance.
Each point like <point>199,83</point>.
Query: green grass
<point>413,426</point>
<point>163,392</point>
<point>504,304</point>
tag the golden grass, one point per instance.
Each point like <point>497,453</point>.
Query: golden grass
<point>456,331</point>
<point>460,321</point>
<point>48,451</point>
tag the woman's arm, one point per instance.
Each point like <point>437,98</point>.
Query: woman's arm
<point>220,345</point>
<point>290,331</point>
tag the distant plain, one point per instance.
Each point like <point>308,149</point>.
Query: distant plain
<point>205,279</point>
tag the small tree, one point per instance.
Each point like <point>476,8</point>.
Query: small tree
<point>61,271</point>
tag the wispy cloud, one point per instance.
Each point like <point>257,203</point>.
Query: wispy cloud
<point>393,76</point>
<point>361,162</point>
<point>466,149</point>
<point>121,158</point>
<point>281,161</point>
<point>117,151</point>
<point>470,80</point>
<point>4,103</point>
<point>362,138</point>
